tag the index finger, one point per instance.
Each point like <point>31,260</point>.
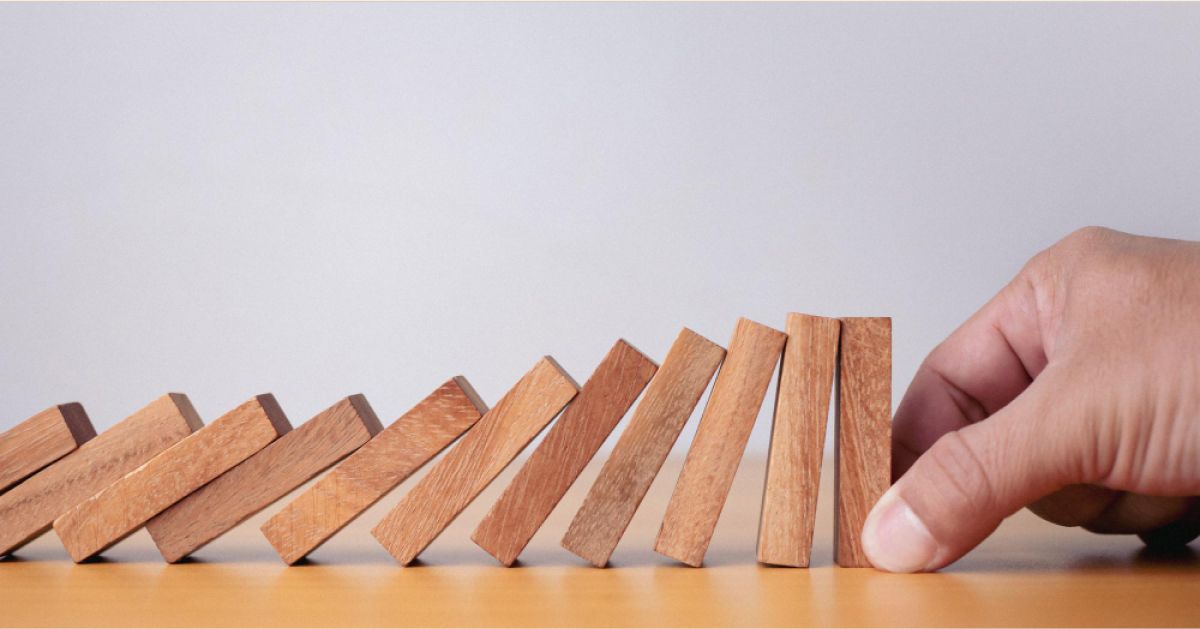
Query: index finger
<point>981,367</point>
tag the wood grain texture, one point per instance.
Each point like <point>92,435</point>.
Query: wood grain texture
<point>41,440</point>
<point>643,447</point>
<point>863,460</point>
<point>29,509</point>
<point>569,445</point>
<point>802,399</point>
<point>454,481</point>
<point>265,477</point>
<point>720,440</point>
<point>374,470</point>
<point>1028,573</point>
<point>94,525</point>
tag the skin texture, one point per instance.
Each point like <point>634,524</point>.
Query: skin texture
<point>1075,391</point>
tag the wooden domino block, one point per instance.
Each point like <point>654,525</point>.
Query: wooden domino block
<point>864,432</point>
<point>720,440</point>
<point>265,477</point>
<point>562,455</point>
<point>454,481</point>
<point>94,525</point>
<point>373,470</point>
<point>639,454</point>
<point>789,505</point>
<point>41,440</point>
<point>29,509</point>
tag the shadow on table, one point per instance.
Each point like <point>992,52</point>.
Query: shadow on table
<point>1082,558</point>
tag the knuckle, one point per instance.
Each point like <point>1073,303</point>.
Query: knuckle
<point>1088,237</point>
<point>1077,274</point>
<point>1082,244</point>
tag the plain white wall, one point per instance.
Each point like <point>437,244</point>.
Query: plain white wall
<point>317,200</point>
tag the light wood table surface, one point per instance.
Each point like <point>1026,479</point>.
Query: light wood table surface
<point>1029,573</point>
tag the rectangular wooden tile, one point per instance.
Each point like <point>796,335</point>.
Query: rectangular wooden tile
<point>720,440</point>
<point>29,509</point>
<point>41,440</point>
<point>569,445</point>
<point>789,505</point>
<point>94,525</point>
<point>863,469</point>
<point>265,477</point>
<point>374,470</point>
<point>643,447</point>
<point>454,481</point>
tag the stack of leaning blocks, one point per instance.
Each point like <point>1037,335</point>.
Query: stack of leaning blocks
<point>187,484</point>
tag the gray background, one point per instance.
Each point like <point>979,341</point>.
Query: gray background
<point>317,200</point>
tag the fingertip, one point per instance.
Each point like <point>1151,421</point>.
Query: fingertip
<point>1177,534</point>
<point>895,539</point>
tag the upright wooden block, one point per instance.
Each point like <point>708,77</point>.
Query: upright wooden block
<point>94,525</point>
<point>642,448</point>
<point>41,440</point>
<point>474,462</point>
<point>374,470</point>
<point>720,441</point>
<point>789,506</point>
<point>29,509</point>
<point>562,455</point>
<point>265,477</point>
<point>864,432</point>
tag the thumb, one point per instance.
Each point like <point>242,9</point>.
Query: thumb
<point>960,489</point>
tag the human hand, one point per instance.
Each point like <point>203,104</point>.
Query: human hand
<point>1075,391</point>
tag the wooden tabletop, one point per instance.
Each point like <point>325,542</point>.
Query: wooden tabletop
<point>1030,572</point>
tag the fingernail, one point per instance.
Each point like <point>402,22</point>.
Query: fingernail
<point>895,539</point>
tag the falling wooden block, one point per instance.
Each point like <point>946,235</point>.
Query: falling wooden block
<point>29,509</point>
<point>720,441</point>
<point>639,454</point>
<point>454,481</point>
<point>374,470</point>
<point>864,432</point>
<point>265,477</point>
<point>94,525</point>
<point>789,505</point>
<point>41,440</point>
<point>562,455</point>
